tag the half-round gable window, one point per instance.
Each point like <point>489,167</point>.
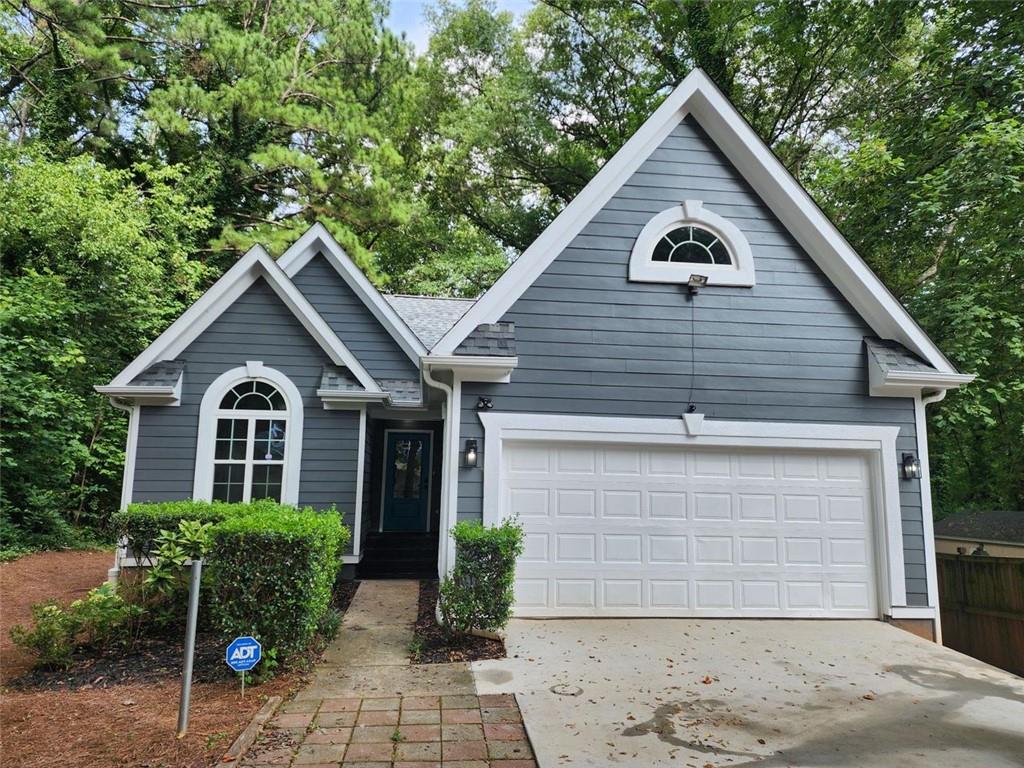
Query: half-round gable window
<point>688,240</point>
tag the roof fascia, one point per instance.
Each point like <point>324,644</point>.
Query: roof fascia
<point>318,240</point>
<point>896,383</point>
<point>698,95</point>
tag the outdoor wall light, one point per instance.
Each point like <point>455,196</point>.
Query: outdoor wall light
<point>696,282</point>
<point>471,455</point>
<point>484,404</point>
<point>911,467</point>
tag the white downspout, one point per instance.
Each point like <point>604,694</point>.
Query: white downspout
<point>449,402</point>
<point>127,477</point>
<point>927,515</point>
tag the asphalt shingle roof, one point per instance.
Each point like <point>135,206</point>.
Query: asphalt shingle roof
<point>339,379</point>
<point>429,317</point>
<point>403,391</point>
<point>987,526</point>
<point>490,339</point>
<point>893,356</point>
<point>162,374</point>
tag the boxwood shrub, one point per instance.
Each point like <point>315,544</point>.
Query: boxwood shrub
<point>271,574</point>
<point>269,570</point>
<point>478,594</point>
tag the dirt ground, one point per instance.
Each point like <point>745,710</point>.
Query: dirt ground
<point>130,725</point>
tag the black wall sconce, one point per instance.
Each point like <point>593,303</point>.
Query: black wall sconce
<point>484,404</point>
<point>911,467</point>
<point>470,457</point>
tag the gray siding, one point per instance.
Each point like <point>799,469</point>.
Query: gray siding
<point>257,326</point>
<point>354,324</point>
<point>789,349</point>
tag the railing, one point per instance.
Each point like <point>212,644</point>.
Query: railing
<point>982,605</point>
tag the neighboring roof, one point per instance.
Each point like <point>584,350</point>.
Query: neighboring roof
<point>162,374</point>
<point>256,263</point>
<point>490,339</point>
<point>1005,527</point>
<point>430,317</point>
<point>698,96</point>
<point>317,240</point>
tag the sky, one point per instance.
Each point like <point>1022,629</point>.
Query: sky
<point>407,16</point>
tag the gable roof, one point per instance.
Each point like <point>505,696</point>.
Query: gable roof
<point>988,526</point>
<point>256,263</point>
<point>429,317</point>
<point>317,240</point>
<point>698,96</point>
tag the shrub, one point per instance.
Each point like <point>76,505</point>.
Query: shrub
<point>100,619</point>
<point>271,574</point>
<point>141,524</point>
<point>478,594</point>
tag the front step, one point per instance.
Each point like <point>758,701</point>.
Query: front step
<point>399,556</point>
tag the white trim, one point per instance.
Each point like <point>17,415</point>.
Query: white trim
<point>145,395</point>
<point>698,96</point>
<point>927,513</point>
<point>879,443</point>
<point>335,400</point>
<point>131,443</point>
<point>487,368</point>
<point>451,466</point>
<point>357,526</point>
<point>692,212</point>
<point>912,612</point>
<point>449,496</point>
<point>202,486</point>
<point>384,474</point>
<point>346,559</point>
<point>255,264</point>
<point>316,240</point>
<point>895,383</point>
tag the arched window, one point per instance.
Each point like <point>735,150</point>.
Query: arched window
<point>250,422</point>
<point>686,240</point>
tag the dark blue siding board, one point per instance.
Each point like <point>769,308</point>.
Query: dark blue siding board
<point>789,349</point>
<point>256,327</point>
<point>353,322</point>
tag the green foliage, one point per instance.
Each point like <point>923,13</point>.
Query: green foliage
<point>94,266</point>
<point>143,525</point>
<point>478,594</point>
<point>271,574</point>
<point>99,620</point>
<point>169,577</point>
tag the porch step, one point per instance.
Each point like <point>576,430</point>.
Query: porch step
<point>399,556</point>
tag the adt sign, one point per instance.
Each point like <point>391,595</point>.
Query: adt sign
<point>243,654</point>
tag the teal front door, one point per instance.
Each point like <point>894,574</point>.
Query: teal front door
<point>406,481</point>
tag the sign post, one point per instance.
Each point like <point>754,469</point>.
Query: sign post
<point>243,654</point>
<point>190,645</point>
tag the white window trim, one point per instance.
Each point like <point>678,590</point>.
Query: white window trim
<point>692,212</point>
<point>209,411</point>
<point>878,444</point>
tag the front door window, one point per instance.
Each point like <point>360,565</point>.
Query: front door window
<point>406,481</point>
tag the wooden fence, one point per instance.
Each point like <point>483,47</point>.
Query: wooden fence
<point>982,604</point>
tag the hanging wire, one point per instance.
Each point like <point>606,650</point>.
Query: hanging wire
<point>690,407</point>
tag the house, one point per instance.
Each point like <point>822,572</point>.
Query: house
<point>694,394</point>
<point>997,534</point>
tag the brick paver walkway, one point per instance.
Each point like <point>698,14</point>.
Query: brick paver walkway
<point>367,707</point>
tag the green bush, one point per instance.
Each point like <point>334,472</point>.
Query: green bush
<point>142,524</point>
<point>271,574</point>
<point>99,620</point>
<point>478,594</point>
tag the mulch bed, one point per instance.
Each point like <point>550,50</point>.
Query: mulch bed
<point>435,646</point>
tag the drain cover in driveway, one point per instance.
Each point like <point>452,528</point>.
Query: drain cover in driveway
<point>564,689</point>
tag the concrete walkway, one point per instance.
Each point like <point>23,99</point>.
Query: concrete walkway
<point>367,706</point>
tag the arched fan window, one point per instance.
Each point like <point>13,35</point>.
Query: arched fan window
<point>691,245</point>
<point>252,434</point>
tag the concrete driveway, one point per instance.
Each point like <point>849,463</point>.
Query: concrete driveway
<point>754,693</point>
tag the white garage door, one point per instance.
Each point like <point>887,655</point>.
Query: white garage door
<point>617,530</point>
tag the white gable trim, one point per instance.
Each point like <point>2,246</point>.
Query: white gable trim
<point>696,95</point>
<point>254,264</point>
<point>318,240</point>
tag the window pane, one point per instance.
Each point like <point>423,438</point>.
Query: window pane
<point>408,469</point>
<point>662,251</point>
<point>231,434</point>
<point>269,440</point>
<point>253,401</point>
<point>691,253</point>
<point>227,402</point>
<point>266,481</point>
<point>703,237</point>
<point>720,253</point>
<point>228,482</point>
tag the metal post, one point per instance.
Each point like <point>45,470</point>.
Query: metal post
<point>190,646</point>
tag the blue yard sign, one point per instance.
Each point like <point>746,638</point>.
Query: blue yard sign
<point>243,654</point>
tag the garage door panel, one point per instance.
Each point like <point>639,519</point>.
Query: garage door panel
<point>630,531</point>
